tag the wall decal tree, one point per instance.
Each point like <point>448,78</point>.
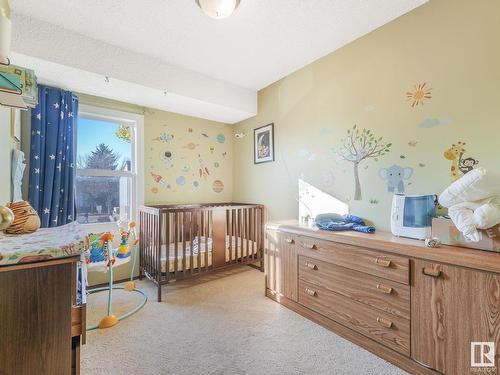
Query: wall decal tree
<point>358,146</point>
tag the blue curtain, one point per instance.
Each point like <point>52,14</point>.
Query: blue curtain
<point>52,156</point>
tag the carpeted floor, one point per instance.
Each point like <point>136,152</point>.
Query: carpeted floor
<point>222,324</point>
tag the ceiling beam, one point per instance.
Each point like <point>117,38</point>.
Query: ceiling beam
<point>67,59</point>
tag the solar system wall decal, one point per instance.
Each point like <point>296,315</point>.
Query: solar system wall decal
<point>187,160</point>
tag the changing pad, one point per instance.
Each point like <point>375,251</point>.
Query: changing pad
<point>44,244</point>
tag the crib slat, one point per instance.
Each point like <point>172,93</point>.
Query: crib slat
<point>148,231</point>
<point>207,227</point>
<point>167,245</point>
<point>252,233</point>
<point>230,235</point>
<point>244,248</point>
<point>242,235</point>
<point>261,231</point>
<point>176,244</point>
<point>141,243</point>
<point>247,235</point>
<point>199,239</point>
<point>238,238</point>
<point>152,249</point>
<point>183,239</point>
<point>236,234</point>
<point>191,253</point>
<point>202,218</point>
<point>233,237</point>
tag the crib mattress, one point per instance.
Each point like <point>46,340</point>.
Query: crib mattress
<point>192,259</point>
<point>44,244</point>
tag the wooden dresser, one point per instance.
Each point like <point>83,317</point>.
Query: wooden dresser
<point>41,328</point>
<point>418,308</point>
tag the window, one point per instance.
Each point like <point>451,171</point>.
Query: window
<point>108,186</point>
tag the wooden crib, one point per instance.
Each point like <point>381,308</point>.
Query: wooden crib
<point>179,241</point>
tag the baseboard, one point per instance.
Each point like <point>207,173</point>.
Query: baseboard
<point>114,282</point>
<point>403,362</point>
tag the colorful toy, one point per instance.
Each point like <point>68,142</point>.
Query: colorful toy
<point>103,256</point>
<point>96,250</point>
<point>124,248</point>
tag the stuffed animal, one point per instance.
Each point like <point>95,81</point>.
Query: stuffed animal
<point>26,219</point>
<point>6,218</point>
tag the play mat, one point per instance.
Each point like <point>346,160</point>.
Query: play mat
<point>44,244</point>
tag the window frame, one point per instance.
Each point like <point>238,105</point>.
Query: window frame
<point>136,121</point>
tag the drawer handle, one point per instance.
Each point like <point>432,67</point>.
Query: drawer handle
<point>311,292</point>
<point>383,262</point>
<point>289,240</point>
<point>311,246</point>
<point>311,266</point>
<point>384,289</point>
<point>386,323</point>
<point>429,271</point>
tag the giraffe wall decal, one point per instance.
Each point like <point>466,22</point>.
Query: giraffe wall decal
<point>455,154</point>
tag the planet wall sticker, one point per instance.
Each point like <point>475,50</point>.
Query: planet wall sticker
<point>181,180</point>
<point>218,186</point>
<point>191,146</point>
<point>221,138</point>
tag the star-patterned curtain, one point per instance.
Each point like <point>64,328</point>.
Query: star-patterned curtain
<point>52,157</point>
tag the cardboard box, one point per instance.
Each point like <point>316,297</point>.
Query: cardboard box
<point>448,234</point>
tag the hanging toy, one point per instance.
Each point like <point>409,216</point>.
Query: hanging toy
<point>106,239</point>
<point>123,247</point>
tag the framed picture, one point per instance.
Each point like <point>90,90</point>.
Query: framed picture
<point>15,124</point>
<point>263,139</point>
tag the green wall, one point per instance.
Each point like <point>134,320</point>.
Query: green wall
<point>450,45</point>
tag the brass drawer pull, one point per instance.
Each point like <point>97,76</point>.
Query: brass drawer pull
<point>311,292</point>
<point>311,246</point>
<point>311,266</point>
<point>289,240</point>
<point>384,289</point>
<point>386,323</point>
<point>431,272</point>
<point>383,262</point>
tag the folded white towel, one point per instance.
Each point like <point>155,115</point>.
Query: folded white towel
<point>468,217</point>
<point>473,202</point>
<point>472,187</point>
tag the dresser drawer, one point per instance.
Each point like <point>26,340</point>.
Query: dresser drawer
<point>78,321</point>
<point>387,329</point>
<point>387,266</point>
<point>382,294</point>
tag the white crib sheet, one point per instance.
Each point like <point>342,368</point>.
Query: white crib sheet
<point>242,246</point>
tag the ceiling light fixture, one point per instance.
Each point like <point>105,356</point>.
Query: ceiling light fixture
<point>218,9</point>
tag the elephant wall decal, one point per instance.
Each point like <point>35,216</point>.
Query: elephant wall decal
<point>395,176</point>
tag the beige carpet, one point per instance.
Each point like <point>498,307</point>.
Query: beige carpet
<point>218,325</point>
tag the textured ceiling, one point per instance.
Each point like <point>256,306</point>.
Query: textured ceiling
<point>262,42</point>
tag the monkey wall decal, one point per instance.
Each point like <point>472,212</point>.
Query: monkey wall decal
<point>467,164</point>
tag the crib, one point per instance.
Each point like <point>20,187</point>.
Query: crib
<point>180,241</point>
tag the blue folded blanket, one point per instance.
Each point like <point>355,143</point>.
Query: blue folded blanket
<point>336,222</point>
